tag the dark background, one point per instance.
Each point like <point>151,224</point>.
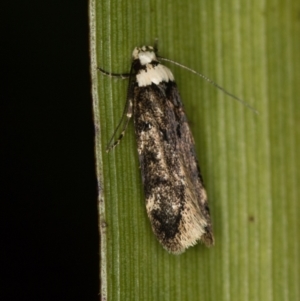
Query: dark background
<point>49,235</point>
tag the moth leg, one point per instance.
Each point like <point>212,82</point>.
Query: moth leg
<point>112,144</point>
<point>118,75</point>
<point>127,113</point>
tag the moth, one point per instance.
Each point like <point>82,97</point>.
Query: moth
<point>175,196</point>
<point>176,200</point>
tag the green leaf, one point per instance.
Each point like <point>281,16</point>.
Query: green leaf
<point>250,163</point>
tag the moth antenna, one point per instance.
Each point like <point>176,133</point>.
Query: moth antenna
<point>118,75</point>
<point>211,82</point>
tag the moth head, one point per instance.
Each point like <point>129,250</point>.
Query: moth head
<point>145,54</point>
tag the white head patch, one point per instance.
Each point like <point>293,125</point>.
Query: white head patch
<point>145,54</point>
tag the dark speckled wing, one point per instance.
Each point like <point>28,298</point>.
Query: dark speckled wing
<point>176,200</point>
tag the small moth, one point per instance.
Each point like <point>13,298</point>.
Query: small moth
<point>175,196</point>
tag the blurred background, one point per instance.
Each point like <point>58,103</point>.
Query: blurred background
<point>49,234</point>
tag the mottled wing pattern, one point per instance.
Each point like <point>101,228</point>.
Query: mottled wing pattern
<point>176,200</point>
